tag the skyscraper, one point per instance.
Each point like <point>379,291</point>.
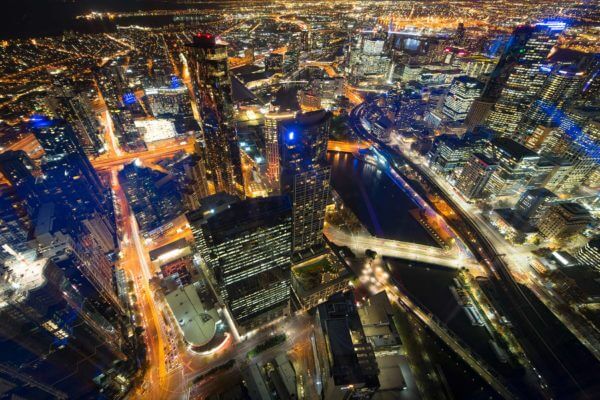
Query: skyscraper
<point>65,102</point>
<point>527,51</point>
<point>475,175</point>
<point>247,248</point>
<point>273,121</point>
<point>305,177</point>
<point>68,171</point>
<point>461,95</point>
<point>563,85</point>
<point>207,61</point>
<point>17,167</point>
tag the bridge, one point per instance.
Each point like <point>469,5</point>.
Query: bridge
<point>360,242</point>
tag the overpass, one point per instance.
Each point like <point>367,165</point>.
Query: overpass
<point>360,242</point>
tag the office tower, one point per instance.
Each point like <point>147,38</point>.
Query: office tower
<point>271,134</point>
<point>71,180</point>
<point>247,248</point>
<point>563,85</point>
<point>590,253</point>
<point>77,110</point>
<point>533,203</point>
<point>475,175</point>
<point>305,177</point>
<point>17,167</point>
<point>192,181</point>
<point>15,222</point>
<point>516,166</point>
<point>152,195</point>
<point>59,336</point>
<point>563,220</point>
<point>461,95</point>
<point>207,61</point>
<point>368,57</point>
<point>449,153</point>
<point>345,360</point>
<point>527,50</point>
<point>480,109</point>
<point>577,140</point>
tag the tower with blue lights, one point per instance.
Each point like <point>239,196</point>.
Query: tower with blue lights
<point>305,177</point>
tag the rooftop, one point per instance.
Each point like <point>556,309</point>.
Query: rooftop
<point>198,325</point>
<point>19,275</point>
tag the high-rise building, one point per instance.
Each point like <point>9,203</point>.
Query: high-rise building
<point>563,85</point>
<point>75,107</point>
<point>17,167</point>
<point>475,175</point>
<point>533,203</point>
<point>577,140</point>
<point>346,364</point>
<point>69,174</point>
<point>60,337</point>
<point>152,195</point>
<point>305,176</point>
<point>516,166</point>
<point>271,134</point>
<point>461,95</point>
<point>15,222</point>
<point>207,61</point>
<point>563,220</point>
<point>247,249</point>
<point>520,74</point>
<point>590,253</point>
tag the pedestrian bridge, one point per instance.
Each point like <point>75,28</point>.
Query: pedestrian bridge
<point>360,242</point>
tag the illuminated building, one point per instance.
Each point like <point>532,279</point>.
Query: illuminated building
<point>198,325</point>
<point>271,135</point>
<point>533,203</point>
<point>316,279</point>
<point>475,175</point>
<point>156,129</point>
<point>69,175</point>
<point>563,220</point>
<point>590,253</point>
<point>368,58</point>
<point>207,61</point>
<point>345,360</point>
<point>463,91</point>
<point>152,195</point>
<point>476,66</point>
<point>577,140</point>
<point>516,166</point>
<point>561,87</point>
<point>305,176</point>
<point>247,247</point>
<point>14,222</point>
<point>77,110</point>
<point>60,337</point>
<point>17,167</point>
<point>520,74</point>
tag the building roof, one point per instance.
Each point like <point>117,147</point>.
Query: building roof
<point>198,325</point>
<point>247,215</point>
<point>515,149</point>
